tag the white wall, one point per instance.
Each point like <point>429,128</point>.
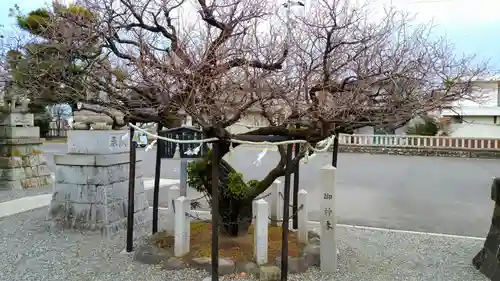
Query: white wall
<point>368,130</point>
<point>484,94</point>
<point>251,119</point>
<point>476,126</point>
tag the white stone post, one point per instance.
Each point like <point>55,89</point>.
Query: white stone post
<point>302,216</point>
<point>276,202</point>
<point>182,226</point>
<point>173,193</point>
<point>261,231</point>
<point>328,254</point>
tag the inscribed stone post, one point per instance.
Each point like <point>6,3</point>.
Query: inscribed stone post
<point>261,231</point>
<point>182,226</point>
<point>173,193</point>
<point>302,216</point>
<point>328,254</point>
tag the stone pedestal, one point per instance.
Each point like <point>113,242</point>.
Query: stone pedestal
<point>22,163</point>
<point>92,180</point>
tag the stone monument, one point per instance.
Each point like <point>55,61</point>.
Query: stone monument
<point>22,163</point>
<point>487,261</point>
<point>92,181</point>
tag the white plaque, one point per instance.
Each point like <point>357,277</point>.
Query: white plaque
<point>117,141</point>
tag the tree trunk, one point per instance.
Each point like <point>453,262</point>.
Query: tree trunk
<point>235,214</point>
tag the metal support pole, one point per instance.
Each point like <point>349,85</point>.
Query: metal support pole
<point>286,214</point>
<point>131,192</point>
<point>295,203</point>
<point>335,153</point>
<point>184,176</point>
<point>156,189</point>
<point>215,211</point>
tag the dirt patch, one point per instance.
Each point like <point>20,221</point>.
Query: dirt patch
<point>236,248</point>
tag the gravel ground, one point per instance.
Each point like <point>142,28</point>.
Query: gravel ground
<point>30,250</point>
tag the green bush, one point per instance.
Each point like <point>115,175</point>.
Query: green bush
<point>428,128</point>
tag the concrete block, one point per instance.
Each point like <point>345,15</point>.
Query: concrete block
<point>45,181</point>
<point>10,185</point>
<point>19,119</point>
<point>19,132</point>
<point>20,150</point>
<point>79,193</point>
<point>42,170</point>
<point>98,142</point>
<point>89,215</point>
<point>116,211</point>
<point>41,159</point>
<point>24,141</point>
<point>77,216</point>
<point>29,183</point>
<point>30,172</point>
<point>105,206</point>
<point>10,162</point>
<point>12,174</point>
<point>30,160</point>
<point>119,190</point>
<point>140,202</point>
<point>121,224</point>
<point>93,160</point>
<point>92,175</point>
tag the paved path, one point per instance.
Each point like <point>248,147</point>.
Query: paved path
<point>429,194</point>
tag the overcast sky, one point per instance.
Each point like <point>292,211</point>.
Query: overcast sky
<point>472,25</point>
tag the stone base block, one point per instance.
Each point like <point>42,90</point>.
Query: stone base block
<point>19,132</point>
<point>140,217</point>
<point>21,150</point>
<point>24,172</point>
<point>98,142</point>
<point>107,218</point>
<point>19,119</point>
<point>99,175</point>
<point>97,207</point>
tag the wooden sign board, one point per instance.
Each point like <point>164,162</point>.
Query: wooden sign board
<point>187,150</point>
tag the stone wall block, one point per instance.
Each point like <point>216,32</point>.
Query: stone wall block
<point>45,181</point>
<point>12,174</point>
<point>30,160</point>
<point>42,170</point>
<point>116,210</point>
<point>30,172</point>
<point>41,159</point>
<point>117,191</point>
<point>92,175</point>
<point>11,162</point>
<point>29,183</point>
